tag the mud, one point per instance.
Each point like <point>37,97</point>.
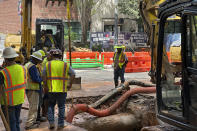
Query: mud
<point>132,106</point>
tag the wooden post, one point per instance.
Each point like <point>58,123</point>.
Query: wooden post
<point>5,120</point>
<point>5,102</point>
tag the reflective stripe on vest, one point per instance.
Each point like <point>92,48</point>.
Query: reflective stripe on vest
<point>62,78</point>
<point>10,88</point>
<point>121,59</point>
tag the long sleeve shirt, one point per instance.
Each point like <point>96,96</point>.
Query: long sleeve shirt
<point>34,74</point>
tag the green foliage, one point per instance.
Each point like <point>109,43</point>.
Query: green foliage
<point>73,35</point>
<point>129,7</point>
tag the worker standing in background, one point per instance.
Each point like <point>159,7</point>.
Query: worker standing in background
<point>32,91</point>
<point>13,79</point>
<point>40,116</point>
<point>45,98</point>
<point>55,76</point>
<point>120,60</point>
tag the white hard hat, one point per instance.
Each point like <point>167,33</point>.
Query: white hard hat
<point>37,55</point>
<point>9,52</point>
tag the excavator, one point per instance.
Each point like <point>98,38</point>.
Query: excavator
<point>177,100</point>
<point>176,96</point>
<point>44,27</point>
<point>172,56</point>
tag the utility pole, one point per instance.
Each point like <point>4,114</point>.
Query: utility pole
<point>116,22</point>
<point>69,37</point>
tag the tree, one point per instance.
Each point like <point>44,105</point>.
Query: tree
<point>85,11</point>
<point>129,7</point>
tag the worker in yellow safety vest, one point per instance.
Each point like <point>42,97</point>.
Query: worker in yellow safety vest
<point>13,80</point>
<point>120,60</point>
<point>55,76</point>
<point>33,89</point>
<point>49,41</point>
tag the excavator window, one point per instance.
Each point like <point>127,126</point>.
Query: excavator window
<point>171,68</point>
<point>192,59</point>
<point>49,34</point>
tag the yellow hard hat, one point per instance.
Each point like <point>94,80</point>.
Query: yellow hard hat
<point>119,46</point>
<point>42,52</point>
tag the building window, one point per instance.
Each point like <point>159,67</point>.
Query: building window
<point>76,31</point>
<point>111,28</point>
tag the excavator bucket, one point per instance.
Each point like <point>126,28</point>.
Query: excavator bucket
<point>59,2</point>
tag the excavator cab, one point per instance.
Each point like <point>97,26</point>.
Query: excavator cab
<point>177,97</point>
<point>49,34</point>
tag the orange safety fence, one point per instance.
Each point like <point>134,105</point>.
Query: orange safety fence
<point>83,55</point>
<point>141,54</point>
<point>138,64</point>
<point>169,58</point>
<point>108,57</point>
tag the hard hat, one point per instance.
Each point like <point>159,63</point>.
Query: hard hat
<point>42,52</point>
<point>9,53</point>
<point>55,52</point>
<point>37,55</point>
<point>119,46</point>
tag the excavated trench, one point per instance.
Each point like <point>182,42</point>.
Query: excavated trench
<point>136,112</point>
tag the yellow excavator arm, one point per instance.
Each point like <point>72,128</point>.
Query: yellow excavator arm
<point>26,36</point>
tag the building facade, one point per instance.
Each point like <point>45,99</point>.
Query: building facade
<point>103,19</point>
<point>10,20</point>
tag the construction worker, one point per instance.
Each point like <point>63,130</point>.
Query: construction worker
<point>50,41</point>
<point>120,60</point>
<point>40,116</point>
<point>13,79</point>
<point>45,99</point>
<point>33,89</point>
<point>55,76</point>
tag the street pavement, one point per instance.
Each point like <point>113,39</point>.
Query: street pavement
<point>95,82</point>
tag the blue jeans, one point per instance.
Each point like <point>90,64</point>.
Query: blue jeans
<point>14,116</point>
<point>60,99</point>
<point>119,73</point>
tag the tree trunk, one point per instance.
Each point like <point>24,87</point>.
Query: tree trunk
<point>86,6</point>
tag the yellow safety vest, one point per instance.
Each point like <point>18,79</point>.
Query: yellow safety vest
<point>15,83</point>
<point>121,59</point>
<point>44,62</point>
<point>31,85</point>
<point>57,76</point>
<point>52,41</point>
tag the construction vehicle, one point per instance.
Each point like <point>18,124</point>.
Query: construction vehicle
<point>177,100</point>
<point>53,27</point>
<point>149,14</point>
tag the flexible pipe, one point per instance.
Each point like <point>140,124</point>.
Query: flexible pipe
<point>106,112</point>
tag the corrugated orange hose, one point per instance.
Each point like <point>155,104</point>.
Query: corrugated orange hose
<point>106,112</point>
